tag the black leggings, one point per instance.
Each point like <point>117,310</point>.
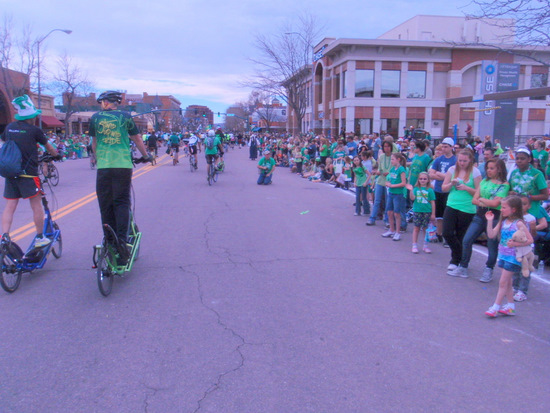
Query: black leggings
<point>113,194</point>
<point>455,225</point>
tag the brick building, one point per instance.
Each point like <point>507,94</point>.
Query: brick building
<point>402,79</point>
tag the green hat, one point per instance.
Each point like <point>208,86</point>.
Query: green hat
<point>25,108</point>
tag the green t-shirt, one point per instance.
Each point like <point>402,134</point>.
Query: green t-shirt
<point>462,200</point>
<point>214,150</point>
<point>490,190</point>
<point>394,177</point>
<point>339,154</point>
<point>112,129</point>
<point>384,165</point>
<point>422,199</point>
<point>418,164</point>
<point>360,175</point>
<point>530,182</point>
<point>542,156</point>
<point>270,163</point>
<point>324,150</point>
<point>174,140</point>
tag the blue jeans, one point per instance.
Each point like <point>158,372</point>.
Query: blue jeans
<point>520,283</point>
<point>361,199</point>
<point>379,192</point>
<point>477,227</point>
<point>264,179</point>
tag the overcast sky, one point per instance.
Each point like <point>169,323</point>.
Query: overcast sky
<point>196,50</point>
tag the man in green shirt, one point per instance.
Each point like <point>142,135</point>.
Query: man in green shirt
<point>175,147</point>
<point>112,130</point>
<point>213,148</point>
<point>266,167</point>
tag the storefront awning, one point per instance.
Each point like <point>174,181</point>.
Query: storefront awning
<point>51,122</point>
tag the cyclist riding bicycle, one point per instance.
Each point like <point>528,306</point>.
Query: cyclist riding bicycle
<point>26,186</point>
<point>112,130</point>
<point>193,148</point>
<point>175,147</point>
<point>213,148</point>
<point>152,143</point>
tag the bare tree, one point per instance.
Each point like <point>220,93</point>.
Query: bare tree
<point>70,82</point>
<point>285,63</point>
<point>528,24</point>
<point>17,53</point>
<point>264,108</point>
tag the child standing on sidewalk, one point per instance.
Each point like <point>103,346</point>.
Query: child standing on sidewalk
<point>511,214</point>
<point>395,203</point>
<point>423,208</point>
<point>361,178</point>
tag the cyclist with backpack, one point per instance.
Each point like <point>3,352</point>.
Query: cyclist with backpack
<point>213,147</point>
<point>193,148</point>
<point>19,165</point>
<point>113,130</point>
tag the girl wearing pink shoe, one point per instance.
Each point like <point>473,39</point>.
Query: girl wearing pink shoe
<point>423,208</point>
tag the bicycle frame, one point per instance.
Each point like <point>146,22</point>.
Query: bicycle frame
<point>21,263</point>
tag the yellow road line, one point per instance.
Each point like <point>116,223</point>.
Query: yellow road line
<point>28,229</point>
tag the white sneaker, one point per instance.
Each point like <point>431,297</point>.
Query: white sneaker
<point>458,272</point>
<point>388,234</point>
<point>451,267</point>
<point>41,242</point>
<point>520,296</point>
<point>397,236</point>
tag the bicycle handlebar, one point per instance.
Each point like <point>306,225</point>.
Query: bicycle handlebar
<point>143,159</point>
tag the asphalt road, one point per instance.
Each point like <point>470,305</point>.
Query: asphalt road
<point>254,298</point>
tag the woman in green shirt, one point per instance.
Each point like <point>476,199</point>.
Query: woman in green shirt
<point>540,153</point>
<point>461,181</point>
<point>384,165</point>
<point>487,197</point>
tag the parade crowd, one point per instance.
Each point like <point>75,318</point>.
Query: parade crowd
<point>453,193</point>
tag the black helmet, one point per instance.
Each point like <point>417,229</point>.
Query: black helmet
<point>110,96</point>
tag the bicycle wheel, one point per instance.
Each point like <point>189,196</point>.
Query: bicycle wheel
<point>215,175</point>
<point>192,163</point>
<point>41,172</point>
<point>53,174</point>
<point>57,248</point>
<point>11,277</point>
<point>209,177</point>
<point>104,275</point>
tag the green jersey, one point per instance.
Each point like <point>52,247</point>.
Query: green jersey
<point>490,190</point>
<point>529,182</point>
<point>418,164</point>
<point>174,140</point>
<point>542,156</point>
<point>422,199</point>
<point>111,129</point>
<point>270,163</point>
<point>360,175</point>
<point>215,149</point>
<point>394,178</point>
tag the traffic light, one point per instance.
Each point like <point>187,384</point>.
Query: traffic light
<point>218,114</point>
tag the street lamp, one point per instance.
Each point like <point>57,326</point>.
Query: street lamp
<point>38,47</point>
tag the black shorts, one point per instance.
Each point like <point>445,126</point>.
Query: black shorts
<point>193,149</point>
<point>211,158</point>
<point>440,203</point>
<point>25,188</point>
<point>175,147</point>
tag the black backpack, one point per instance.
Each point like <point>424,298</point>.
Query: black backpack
<point>11,160</point>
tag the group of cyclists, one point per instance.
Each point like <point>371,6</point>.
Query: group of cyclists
<point>114,134</point>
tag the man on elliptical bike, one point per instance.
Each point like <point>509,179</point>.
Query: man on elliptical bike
<point>112,130</point>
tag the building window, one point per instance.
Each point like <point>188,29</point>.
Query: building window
<point>539,80</point>
<point>391,80</point>
<point>416,84</point>
<point>337,87</point>
<point>363,126</point>
<point>364,83</point>
<point>344,89</point>
<point>390,126</point>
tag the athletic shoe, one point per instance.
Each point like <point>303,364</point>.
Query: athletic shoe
<point>386,225</point>
<point>445,245</point>
<point>427,250</point>
<point>357,215</point>
<point>397,236</point>
<point>451,267</point>
<point>414,249</point>
<point>507,310</point>
<point>388,234</point>
<point>491,312</point>
<point>487,275</point>
<point>402,230</point>
<point>520,296</point>
<point>370,222</point>
<point>458,272</point>
<point>41,242</point>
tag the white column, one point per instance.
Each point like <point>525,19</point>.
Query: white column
<point>350,119</point>
<point>376,122</point>
<point>430,81</point>
<point>403,80</point>
<point>377,79</point>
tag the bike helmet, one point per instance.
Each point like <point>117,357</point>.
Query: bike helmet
<point>110,96</point>
<point>211,132</point>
